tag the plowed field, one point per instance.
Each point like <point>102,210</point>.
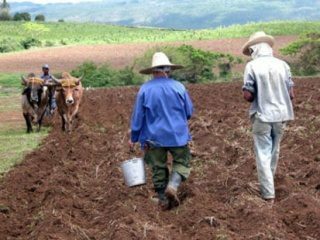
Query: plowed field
<point>117,55</point>
<point>72,186</point>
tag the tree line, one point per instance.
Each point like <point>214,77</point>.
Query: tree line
<point>23,16</point>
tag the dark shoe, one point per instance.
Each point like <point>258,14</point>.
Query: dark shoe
<point>172,195</point>
<point>269,200</point>
<point>164,203</point>
<point>161,199</point>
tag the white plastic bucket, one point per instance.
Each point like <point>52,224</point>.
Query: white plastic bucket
<point>134,172</point>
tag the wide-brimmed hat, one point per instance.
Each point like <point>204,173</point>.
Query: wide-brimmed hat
<point>258,37</point>
<point>160,59</point>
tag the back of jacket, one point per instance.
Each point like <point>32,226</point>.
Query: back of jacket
<point>269,79</point>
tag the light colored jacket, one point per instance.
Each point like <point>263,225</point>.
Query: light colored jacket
<point>269,80</point>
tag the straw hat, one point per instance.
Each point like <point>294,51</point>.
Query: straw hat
<point>159,59</point>
<point>258,37</point>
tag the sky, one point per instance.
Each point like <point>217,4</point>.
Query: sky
<point>53,1</point>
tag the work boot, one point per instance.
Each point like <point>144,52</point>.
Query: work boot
<point>163,201</point>
<point>172,189</point>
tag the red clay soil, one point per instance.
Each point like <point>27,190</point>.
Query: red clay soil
<point>72,186</point>
<point>117,55</point>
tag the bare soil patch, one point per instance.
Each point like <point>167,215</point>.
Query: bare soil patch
<point>117,55</point>
<point>72,187</point>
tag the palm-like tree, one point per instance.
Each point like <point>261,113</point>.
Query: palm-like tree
<point>4,5</point>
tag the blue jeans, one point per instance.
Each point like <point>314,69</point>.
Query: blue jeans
<point>267,138</point>
<point>53,103</point>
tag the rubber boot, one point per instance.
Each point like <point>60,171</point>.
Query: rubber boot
<point>172,189</point>
<point>163,201</point>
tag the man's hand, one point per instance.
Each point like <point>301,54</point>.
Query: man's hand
<point>248,96</point>
<point>291,92</point>
<point>131,145</point>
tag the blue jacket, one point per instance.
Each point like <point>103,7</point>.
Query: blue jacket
<point>161,113</point>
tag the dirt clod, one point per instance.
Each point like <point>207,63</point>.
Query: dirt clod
<point>4,209</point>
<point>317,158</point>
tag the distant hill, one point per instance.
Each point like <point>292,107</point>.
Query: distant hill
<point>178,14</point>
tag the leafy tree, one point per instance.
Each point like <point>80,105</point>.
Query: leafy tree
<point>105,76</point>
<point>31,42</point>
<point>35,29</point>
<point>4,11</point>
<point>4,15</point>
<point>4,5</point>
<point>17,17</point>
<point>306,51</point>
<point>199,65</point>
<point>24,16</point>
<point>40,18</point>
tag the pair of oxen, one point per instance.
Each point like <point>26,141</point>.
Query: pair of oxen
<point>35,99</point>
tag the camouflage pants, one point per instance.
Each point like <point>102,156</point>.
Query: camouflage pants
<point>156,158</point>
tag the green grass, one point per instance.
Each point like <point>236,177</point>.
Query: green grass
<point>14,141</point>
<point>9,80</point>
<point>91,33</point>
<point>9,104</point>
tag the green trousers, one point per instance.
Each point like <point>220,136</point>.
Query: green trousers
<point>156,158</point>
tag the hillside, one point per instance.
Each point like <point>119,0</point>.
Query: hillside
<point>186,14</point>
<point>90,33</point>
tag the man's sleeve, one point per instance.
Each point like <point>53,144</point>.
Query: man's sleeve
<point>137,117</point>
<point>249,83</point>
<point>188,105</point>
<point>289,81</point>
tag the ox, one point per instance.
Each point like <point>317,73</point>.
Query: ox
<point>34,100</point>
<point>68,96</point>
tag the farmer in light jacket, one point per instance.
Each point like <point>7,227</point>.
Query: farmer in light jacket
<point>160,123</point>
<point>269,88</point>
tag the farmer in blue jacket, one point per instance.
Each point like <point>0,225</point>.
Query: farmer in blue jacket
<point>160,123</point>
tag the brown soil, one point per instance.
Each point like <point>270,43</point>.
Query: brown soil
<point>117,55</point>
<point>72,186</point>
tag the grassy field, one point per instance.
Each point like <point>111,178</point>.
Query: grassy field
<point>89,33</point>
<point>14,142</point>
<point>11,80</point>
